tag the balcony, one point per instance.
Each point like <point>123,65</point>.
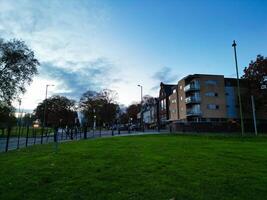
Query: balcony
<point>193,112</point>
<point>192,87</point>
<point>192,99</point>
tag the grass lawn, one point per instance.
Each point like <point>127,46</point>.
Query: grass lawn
<point>139,167</point>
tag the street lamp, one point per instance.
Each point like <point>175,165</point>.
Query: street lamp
<point>19,122</point>
<point>46,90</point>
<point>238,89</point>
<point>19,114</point>
<point>94,120</point>
<point>76,109</point>
<point>141,87</point>
<point>141,92</point>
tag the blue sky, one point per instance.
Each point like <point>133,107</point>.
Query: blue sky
<point>118,44</point>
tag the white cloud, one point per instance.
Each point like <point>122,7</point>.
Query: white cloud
<point>68,35</point>
<point>36,93</point>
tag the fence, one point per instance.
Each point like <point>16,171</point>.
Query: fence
<point>20,137</point>
<point>216,127</point>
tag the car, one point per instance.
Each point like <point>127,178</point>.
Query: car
<point>133,127</point>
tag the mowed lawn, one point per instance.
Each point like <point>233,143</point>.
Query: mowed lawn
<point>139,167</point>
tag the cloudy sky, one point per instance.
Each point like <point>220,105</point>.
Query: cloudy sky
<point>95,44</point>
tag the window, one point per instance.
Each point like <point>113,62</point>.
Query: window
<point>163,104</point>
<point>163,117</point>
<point>228,83</point>
<point>174,91</point>
<point>173,111</point>
<point>181,87</point>
<point>211,94</point>
<point>211,82</point>
<point>181,98</point>
<point>212,107</point>
<point>173,101</point>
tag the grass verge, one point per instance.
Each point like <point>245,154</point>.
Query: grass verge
<point>139,167</point>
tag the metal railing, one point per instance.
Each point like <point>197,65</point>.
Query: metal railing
<point>192,86</point>
<point>21,137</point>
<point>193,112</point>
<point>192,99</point>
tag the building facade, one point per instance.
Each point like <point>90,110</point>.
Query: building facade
<point>203,97</point>
<point>173,104</point>
<point>150,113</point>
<point>164,111</point>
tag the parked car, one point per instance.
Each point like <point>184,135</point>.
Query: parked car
<point>133,127</point>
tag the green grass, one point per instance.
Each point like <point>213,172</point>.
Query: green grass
<point>139,167</point>
<point>15,131</point>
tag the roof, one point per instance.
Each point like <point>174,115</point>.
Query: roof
<point>199,75</point>
<point>167,88</point>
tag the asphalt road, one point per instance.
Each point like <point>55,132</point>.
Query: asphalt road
<point>16,143</point>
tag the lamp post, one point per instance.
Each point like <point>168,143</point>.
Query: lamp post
<point>19,122</point>
<point>130,125</point>
<point>238,90</point>
<point>19,114</point>
<point>76,109</point>
<point>141,124</point>
<point>94,126</point>
<point>46,90</point>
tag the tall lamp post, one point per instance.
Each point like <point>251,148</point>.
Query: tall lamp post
<point>238,89</point>
<point>94,126</point>
<point>141,87</point>
<point>19,114</point>
<point>46,90</point>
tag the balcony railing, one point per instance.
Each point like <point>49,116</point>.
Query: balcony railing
<point>193,99</point>
<point>193,112</point>
<point>191,87</point>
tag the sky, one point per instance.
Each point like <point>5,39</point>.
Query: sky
<point>117,44</point>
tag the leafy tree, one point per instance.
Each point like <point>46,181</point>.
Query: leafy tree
<point>90,104</point>
<point>109,106</point>
<point>254,74</point>
<point>148,101</point>
<point>100,104</point>
<point>133,110</point>
<point>18,65</point>
<point>124,118</point>
<point>60,111</point>
<point>7,115</point>
<point>27,119</point>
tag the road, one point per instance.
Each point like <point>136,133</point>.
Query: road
<point>16,143</point>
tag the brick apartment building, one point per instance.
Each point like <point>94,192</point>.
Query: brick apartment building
<point>163,101</point>
<point>199,98</point>
<point>203,97</point>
